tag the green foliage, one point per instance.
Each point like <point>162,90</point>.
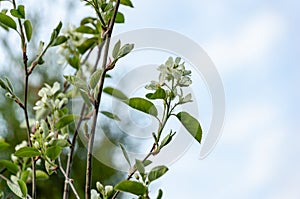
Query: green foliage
<point>8,21</point>
<point>13,168</point>
<point>191,124</point>
<point>27,152</point>
<point>133,187</point>
<point>51,130</point>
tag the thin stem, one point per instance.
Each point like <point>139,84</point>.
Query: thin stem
<point>135,170</point>
<point>70,155</point>
<point>97,104</point>
<point>25,62</point>
<point>67,180</point>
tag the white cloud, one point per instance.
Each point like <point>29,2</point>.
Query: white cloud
<point>248,44</point>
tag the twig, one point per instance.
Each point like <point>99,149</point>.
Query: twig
<point>67,179</point>
<point>132,172</point>
<point>25,62</point>
<point>70,155</point>
<point>97,103</point>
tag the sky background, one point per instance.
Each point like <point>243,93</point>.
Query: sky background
<point>255,47</point>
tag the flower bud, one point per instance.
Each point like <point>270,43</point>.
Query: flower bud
<point>108,190</point>
<point>99,186</point>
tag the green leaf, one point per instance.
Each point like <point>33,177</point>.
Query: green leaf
<point>147,162</point>
<point>139,166</point>
<point>116,49</point>
<point>9,85</point>
<point>120,18</point>
<point>3,85</point>
<point>61,143</point>
<point>77,82</point>
<point>86,30</point>
<point>115,93</point>
<point>10,166</point>
<point>160,194</point>
<point>41,175</point>
<point>125,154</point>
<point>87,44</point>
<point>3,145</point>
<point>53,152</point>
<point>158,94</point>
<point>143,105</point>
<point>23,188</point>
<point>191,124</point>
<point>27,152</point>
<point>59,40</point>
<point>15,189</point>
<point>8,21</point>
<point>127,48</point>
<point>87,20</point>
<point>28,29</point>
<point>166,140</point>
<point>64,121</point>
<point>111,115</point>
<point>157,172</point>
<point>126,3</point>
<point>19,12</point>
<point>74,60</point>
<point>95,77</point>
<point>24,175</point>
<point>133,187</point>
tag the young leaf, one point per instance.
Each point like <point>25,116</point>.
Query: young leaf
<point>86,30</point>
<point>143,105</point>
<point>3,144</point>
<point>8,21</point>
<point>125,154</point>
<point>23,187</point>
<point>64,121</point>
<point>139,166</point>
<point>59,40</point>
<point>74,60</point>
<point>116,49</point>
<point>133,187</point>
<point>41,175</point>
<point>77,82</point>
<point>24,175</point>
<point>191,124</point>
<point>147,162</point>
<point>19,12</point>
<point>28,29</point>
<point>120,18</point>
<point>127,48</point>
<point>9,85</point>
<point>111,115</point>
<point>160,194</point>
<point>3,85</point>
<point>10,166</point>
<point>27,152</point>
<point>126,3</point>
<point>115,93</point>
<point>158,94</point>
<point>15,189</point>
<point>166,140</point>
<point>53,152</point>
<point>87,44</point>
<point>157,172</point>
<point>95,77</point>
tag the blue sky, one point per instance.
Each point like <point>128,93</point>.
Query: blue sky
<point>255,47</point>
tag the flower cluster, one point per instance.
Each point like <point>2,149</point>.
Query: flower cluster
<point>51,100</point>
<point>173,77</point>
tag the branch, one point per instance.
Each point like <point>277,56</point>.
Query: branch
<point>70,155</point>
<point>67,179</point>
<point>97,103</point>
<point>25,63</point>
